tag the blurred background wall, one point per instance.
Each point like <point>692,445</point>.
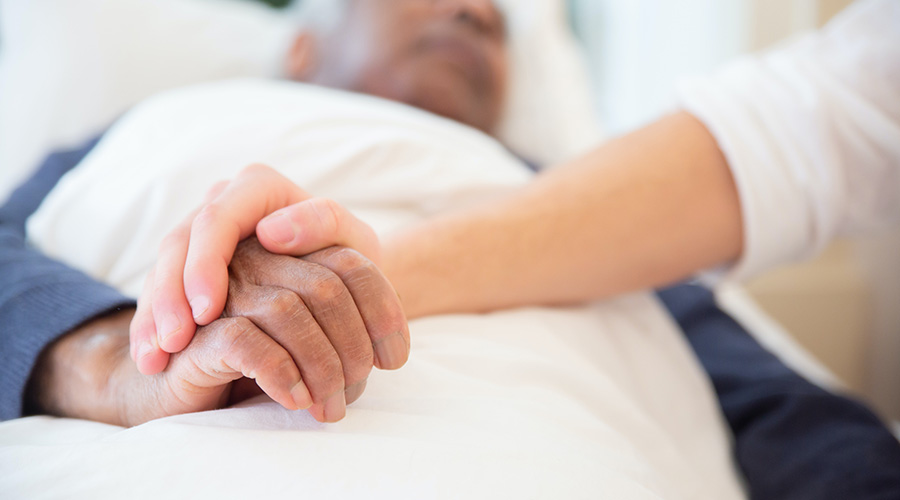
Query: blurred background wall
<point>845,305</point>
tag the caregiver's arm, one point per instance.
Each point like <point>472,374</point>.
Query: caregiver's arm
<point>796,146</point>
<point>643,210</point>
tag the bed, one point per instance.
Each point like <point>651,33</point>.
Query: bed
<point>604,400</point>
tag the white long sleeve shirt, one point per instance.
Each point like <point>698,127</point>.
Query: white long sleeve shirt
<point>811,131</point>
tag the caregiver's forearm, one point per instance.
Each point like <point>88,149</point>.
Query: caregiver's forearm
<point>644,210</point>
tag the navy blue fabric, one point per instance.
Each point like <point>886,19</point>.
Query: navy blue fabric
<point>40,299</point>
<point>26,199</point>
<point>793,439</point>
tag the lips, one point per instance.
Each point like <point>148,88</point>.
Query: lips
<point>460,52</point>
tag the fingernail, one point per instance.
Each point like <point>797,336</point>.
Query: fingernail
<point>353,392</point>
<point>301,395</point>
<point>199,305</point>
<point>280,229</point>
<point>391,351</point>
<point>335,407</point>
<point>168,326</point>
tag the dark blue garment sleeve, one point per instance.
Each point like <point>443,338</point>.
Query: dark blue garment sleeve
<point>40,299</point>
<point>792,439</point>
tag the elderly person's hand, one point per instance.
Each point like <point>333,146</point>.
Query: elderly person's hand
<point>321,309</point>
<point>294,328</point>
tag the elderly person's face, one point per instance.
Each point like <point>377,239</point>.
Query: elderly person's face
<point>444,56</point>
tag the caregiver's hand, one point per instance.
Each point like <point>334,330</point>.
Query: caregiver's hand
<point>191,275</point>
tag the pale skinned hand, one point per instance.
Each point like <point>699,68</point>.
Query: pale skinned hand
<point>190,282</point>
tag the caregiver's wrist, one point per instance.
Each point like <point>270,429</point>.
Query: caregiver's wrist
<point>415,270</point>
<point>398,264</point>
<point>78,375</point>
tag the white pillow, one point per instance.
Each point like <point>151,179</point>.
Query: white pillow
<point>549,115</point>
<point>71,67</point>
<point>68,68</point>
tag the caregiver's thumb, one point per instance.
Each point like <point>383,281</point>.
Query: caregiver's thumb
<point>314,224</point>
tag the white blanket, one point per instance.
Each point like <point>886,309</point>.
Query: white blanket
<point>602,401</point>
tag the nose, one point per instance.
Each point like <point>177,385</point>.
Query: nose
<point>481,8</point>
<point>482,13</point>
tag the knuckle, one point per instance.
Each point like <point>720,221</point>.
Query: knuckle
<point>346,259</point>
<point>207,216</point>
<point>275,366</point>
<point>388,319</point>
<point>175,238</point>
<point>163,283</point>
<point>330,372</point>
<point>158,296</point>
<point>360,359</point>
<point>285,303</point>
<point>329,213</point>
<point>241,346</point>
<point>234,333</point>
<point>329,288</point>
<point>368,280</point>
<point>141,327</point>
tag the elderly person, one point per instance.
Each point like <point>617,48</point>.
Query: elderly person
<point>446,57</point>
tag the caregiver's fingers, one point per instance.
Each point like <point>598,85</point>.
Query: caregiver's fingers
<point>216,230</point>
<point>231,348</point>
<point>377,302</point>
<point>315,224</point>
<point>284,316</point>
<point>145,351</point>
<point>171,312</point>
<point>163,298</point>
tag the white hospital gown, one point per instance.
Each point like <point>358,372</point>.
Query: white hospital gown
<point>811,131</point>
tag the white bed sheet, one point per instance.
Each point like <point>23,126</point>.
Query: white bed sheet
<point>600,401</point>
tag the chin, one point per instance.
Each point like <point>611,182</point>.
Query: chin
<point>463,110</point>
<point>445,91</point>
